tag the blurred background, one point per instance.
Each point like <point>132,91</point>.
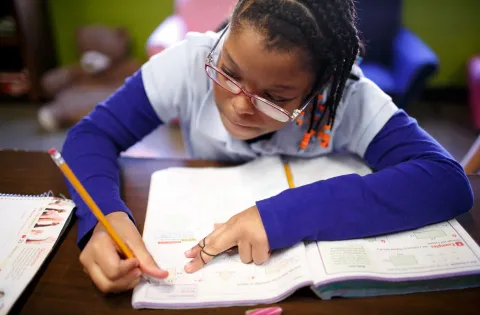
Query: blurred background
<point>59,58</point>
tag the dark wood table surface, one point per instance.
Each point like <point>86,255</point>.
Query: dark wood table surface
<point>61,287</point>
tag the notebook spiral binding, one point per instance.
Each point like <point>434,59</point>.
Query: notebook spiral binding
<point>20,196</point>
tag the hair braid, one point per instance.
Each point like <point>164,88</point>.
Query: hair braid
<point>337,19</point>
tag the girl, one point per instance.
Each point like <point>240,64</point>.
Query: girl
<point>279,80</point>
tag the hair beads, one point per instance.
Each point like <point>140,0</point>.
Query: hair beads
<point>323,134</point>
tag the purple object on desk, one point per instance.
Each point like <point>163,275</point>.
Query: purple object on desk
<point>276,310</point>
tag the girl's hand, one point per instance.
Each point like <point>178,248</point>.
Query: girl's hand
<point>244,230</point>
<point>104,264</point>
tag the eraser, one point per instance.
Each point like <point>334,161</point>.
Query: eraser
<point>276,310</point>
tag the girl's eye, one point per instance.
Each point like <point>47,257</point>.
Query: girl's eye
<point>276,99</point>
<point>230,74</point>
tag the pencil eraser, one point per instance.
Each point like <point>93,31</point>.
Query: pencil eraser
<point>52,151</point>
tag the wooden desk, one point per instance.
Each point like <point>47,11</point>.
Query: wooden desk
<point>61,287</point>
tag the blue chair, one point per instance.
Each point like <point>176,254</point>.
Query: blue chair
<point>397,60</point>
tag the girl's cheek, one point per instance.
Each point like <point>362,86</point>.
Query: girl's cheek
<point>221,96</point>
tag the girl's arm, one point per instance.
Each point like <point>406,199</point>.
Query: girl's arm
<point>93,146</point>
<point>158,92</point>
<point>417,183</point>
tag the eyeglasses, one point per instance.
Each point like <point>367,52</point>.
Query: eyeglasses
<point>228,83</point>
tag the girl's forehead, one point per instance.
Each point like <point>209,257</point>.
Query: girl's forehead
<point>245,53</point>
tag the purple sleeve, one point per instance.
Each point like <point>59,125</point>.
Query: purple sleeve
<point>93,146</point>
<point>417,183</point>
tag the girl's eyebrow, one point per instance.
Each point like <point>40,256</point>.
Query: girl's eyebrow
<point>230,59</point>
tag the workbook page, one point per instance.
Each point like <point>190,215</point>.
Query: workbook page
<point>435,250</point>
<point>306,171</point>
<point>184,205</point>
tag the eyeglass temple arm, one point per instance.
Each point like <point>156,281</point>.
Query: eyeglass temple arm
<point>218,40</point>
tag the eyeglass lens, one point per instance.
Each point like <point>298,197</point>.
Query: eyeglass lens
<point>261,105</point>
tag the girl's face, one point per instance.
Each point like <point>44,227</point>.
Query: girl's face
<point>280,77</point>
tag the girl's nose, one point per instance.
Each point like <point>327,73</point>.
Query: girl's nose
<point>242,105</point>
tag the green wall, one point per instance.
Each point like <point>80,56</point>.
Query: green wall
<point>450,27</point>
<point>140,17</point>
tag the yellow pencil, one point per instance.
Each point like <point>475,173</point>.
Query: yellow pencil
<point>288,172</point>
<point>58,159</point>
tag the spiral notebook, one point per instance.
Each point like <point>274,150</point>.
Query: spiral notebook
<point>30,227</point>
<point>185,203</point>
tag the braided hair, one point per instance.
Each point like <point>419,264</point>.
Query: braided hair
<point>325,30</point>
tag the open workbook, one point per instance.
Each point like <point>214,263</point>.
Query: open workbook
<point>30,226</point>
<point>185,203</point>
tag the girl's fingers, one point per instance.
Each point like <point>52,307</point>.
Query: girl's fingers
<point>108,286</point>
<point>109,261</point>
<point>146,262</point>
<point>245,251</point>
<point>260,252</point>
<point>216,243</point>
<point>195,250</point>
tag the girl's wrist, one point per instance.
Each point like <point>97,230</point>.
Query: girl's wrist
<point>116,216</point>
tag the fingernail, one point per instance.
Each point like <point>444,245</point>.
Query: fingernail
<point>138,273</point>
<point>188,252</point>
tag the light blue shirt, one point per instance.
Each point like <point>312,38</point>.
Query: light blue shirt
<point>178,87</point>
